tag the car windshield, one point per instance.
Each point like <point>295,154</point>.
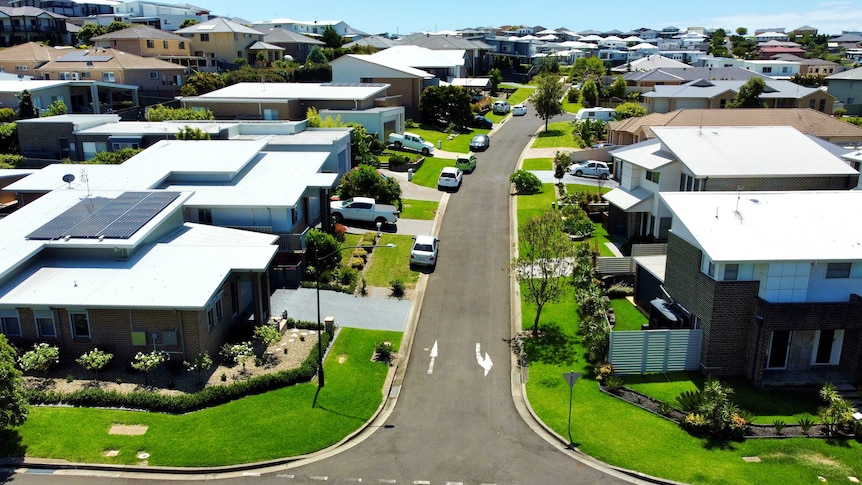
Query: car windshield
<point>422,247</point>
<point>446,174</point>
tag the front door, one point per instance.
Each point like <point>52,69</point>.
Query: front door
<point>801,347</point>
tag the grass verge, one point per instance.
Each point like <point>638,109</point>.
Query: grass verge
<point>559,134</point>
<point>538,164</point>
<point>428,173</point>
<point>388,264</point>
<point>424,210</point>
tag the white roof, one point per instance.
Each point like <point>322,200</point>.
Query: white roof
<point>420,57</point>
<point>749,151</point>
<point>647,154</point>
<point>477,82</point>
<point>287,91</point>
<point>629,200</point>
<point>387,63</point>
<point>29,85</point>
<point>182,271</point>
<point>769,226</point>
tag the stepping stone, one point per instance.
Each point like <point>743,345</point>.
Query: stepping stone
<point>751,459</point>
<point>111,453</point>
<point>853,479</point>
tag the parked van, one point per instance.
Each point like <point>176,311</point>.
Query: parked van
<point>603,114</point>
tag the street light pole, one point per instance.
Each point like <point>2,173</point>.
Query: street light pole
<point>317,260</point>
<point>571,378</point>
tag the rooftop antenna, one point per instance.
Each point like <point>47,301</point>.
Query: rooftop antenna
<point>86,180</point>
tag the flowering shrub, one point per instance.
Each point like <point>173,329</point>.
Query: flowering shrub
<point>95,360</point>
<point>236,353</point>
<point>41,358</point>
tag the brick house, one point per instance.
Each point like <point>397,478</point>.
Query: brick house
<point>707,159</point>
<point>145,41</point>
<point>777,304</point>
<point>137,281</point>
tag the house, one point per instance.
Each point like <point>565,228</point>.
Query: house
<point>366,103</point>
<point>297,46</point>
<point>139,280</point>
<point>311,28</point>
<point>223,42</point>
<point>776,313</point>
<point>776,69</point>
<point>805,29</point>
<point>650,63</point>
<point>477,54</point>
<point>161,15</point>
<point>521,51</point>
<point>760,37</point>
<point>31,24</point>
<point>405,82</point>
<point>145,41</point>
<point>708,94</point>
<point>377,42</point>
<point>78,96</point>
<point>153,76</point>
<point>644,80</point>
<point>702,158</point>
<point>25,58</point>
<point>847,88</point>
<point>71,8</point>
<point>813,66</point>
<point>442,64</point>
<point>805,120</point>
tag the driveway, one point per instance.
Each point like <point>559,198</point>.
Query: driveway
<point>377,311</point>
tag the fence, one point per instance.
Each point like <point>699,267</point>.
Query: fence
<point>633,352</point>
<point>626,264</point>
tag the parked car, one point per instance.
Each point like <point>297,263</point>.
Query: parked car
<point>450,178</point>
<point>603,145</point>
<point>480,121</point>
<point>467,163</point>
<point>480,143</point>
<point>519,110</point>
<point>411,141</point>
<point>424,252</point>
<point>592,168</point>
<point>363,209</point>
<point>500,107</point>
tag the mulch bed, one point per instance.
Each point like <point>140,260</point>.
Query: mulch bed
<point>751,431</point>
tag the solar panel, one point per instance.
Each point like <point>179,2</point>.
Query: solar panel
<point>83,56</point>
<point>118,218</point>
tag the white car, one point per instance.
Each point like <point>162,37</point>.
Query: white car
<point>450,178</point>
<point>592,168</point>
<point>519,110</point>
<point>424,252</point>
<point>500,107</point>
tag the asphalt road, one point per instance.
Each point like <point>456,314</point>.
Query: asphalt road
<point>455,420</point>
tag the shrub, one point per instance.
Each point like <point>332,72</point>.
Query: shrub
<point>838,113</point>
<point>41,359</point>
<point>348,276</point>
<point>266,334</point>
<point>603,371</point>
<point>397,288</point>
<point>357,263</point>
<point>11,161</point>
<point>665,408</point>
<point>360,253</point>
<point>778,425</point>
<point>526,182</point>
<point>573,96</point>
<point>620,290</point>
<point>806,425</point>
<point>236,353</point>
<point>694,422</point>
<point>7,115</point>
<point>200,364</point>
<point>614,383</point>
<point>146,363</point>
<point>383,350</point>
<point>398,160</point>
<point>689,400</point>
<point>338,231</point>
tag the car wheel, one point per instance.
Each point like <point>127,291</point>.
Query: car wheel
<point>579,174</point>
<point>380,220</point>
<point>338,218</point>
<point>398,145</point>
<point>425,152</point>
<point>604,176</point>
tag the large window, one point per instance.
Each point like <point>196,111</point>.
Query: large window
<point>150,43</point>
<point>779,344</point>
<point>653,176</point>
<point>205,37</point>
<point>45,324</point>
<point>10,324</point>
<point>838,270</point>
<point>205,216</point>
<point>108,77</point>
<point>731,272</point>
<point>80,324</point>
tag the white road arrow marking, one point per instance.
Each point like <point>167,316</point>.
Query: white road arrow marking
<point>485,362</point>
<point>433,357</point>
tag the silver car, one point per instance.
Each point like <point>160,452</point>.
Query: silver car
<point>593,168</point>
<point>424,252</point>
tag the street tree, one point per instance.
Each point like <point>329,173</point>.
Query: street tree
<point>90,30</point>
<point>749,94</point>
<point>444,105</point>
<point>590,93</point>
<point>543,261</point>
<point>547,100</point>
<point>95,360</point>
<point>201,83</point>
<point>587,68</point>
<point>13,403</point>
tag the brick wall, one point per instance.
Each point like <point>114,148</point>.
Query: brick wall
<point>783,183</point>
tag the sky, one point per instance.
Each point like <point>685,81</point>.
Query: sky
<point>404,17</point>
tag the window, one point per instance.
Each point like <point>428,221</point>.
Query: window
<point>181,45</point>
<point>164,44</point>
<point>731,272</point>
<point>65,76</point>
<point>210,318</point>
<point>837,270</point>
<point>22,68</point>
<point>205,216</point>
<point>850,100</point>
<point>811,103</point>
<point>235,36</point>
<point>722,103</point>
<point>10,324</point>
<point>234,298</point>
<point>80,324</point>
<point>150,43</point>
<point>154,74</point>
<point>767,70</point>
<point>205,37</point>
<point>822,105</point>
<point>366,80</point>
<point>652,176</point>
<point>108,77</point>
<point>218,310</point>
<point>45,324</point>
<point>239,53</point>
<point>785,70</point>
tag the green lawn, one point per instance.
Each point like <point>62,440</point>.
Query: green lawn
<point>419,209</point>
<point>533,205</point>
<point>571,107</point>
<point>559,134</point>
<point>460,144</point>
<point>627,315</point>
<point>428,173</point>
<point>572,188</point>
<point>391,263</point>
<point>538,164</point>
<point>262,427</point>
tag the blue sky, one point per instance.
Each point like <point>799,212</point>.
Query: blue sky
<point>410,16</point>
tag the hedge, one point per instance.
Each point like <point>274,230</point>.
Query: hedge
<point>178,404</point>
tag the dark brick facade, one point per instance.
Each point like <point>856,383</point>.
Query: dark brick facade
<point>727,311</point>
<point>782,183</point>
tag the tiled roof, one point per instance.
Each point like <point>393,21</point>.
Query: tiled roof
<point>140,32</point>
<point>217,25</point>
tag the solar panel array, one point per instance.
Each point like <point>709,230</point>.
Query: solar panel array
<point>84,56</point>
<point>97,217</point>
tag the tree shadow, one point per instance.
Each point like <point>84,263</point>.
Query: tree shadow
<point>550,134</point>
<point>552,347</point>
<point>714,443</point>
<point>11,446</point>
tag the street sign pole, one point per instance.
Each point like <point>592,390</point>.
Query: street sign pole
<point>571,378</point>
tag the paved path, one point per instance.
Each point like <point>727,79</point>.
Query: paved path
<point>377,311</point>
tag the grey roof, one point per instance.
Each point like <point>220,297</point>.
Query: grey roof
<point>29,12</point>
<point>281,36</point>
<point>376,41</point>
<point>217,25</point>
<point>442,42</point>
<point>263,46</point>
<point>702,88</point>
<point>140,31</point>
<point>686,74</point>
<point>851,75</point>
<point>847,38</point>
<point>808,62</point>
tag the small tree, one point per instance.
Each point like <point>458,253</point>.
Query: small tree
<point>88,31</point>
<point>548,97</point>
<point>13,403</point>
<point>495,77</point>
<point>95,360</point>
<point>189,23</point>
<point>837,413</point>
<point>526,182</point>
<point>331,37</point>
<point>189,133</point>
<point>618,88</point>
<point>116,26</point>
<point>543,258</point>
<point>319,244</point>
<point>562,160</point>
<point>630,110</point>
<point>41,359</point>
<point>316,56</point>
<point>147,363</point>
<point>200,364</point>
<point>590,93</point>
<point>26,108</point>
<point>57,108</point>
<point>365,181</point>
<point>266,335</point>
<point>201,83</point>
<point>749,94</point>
